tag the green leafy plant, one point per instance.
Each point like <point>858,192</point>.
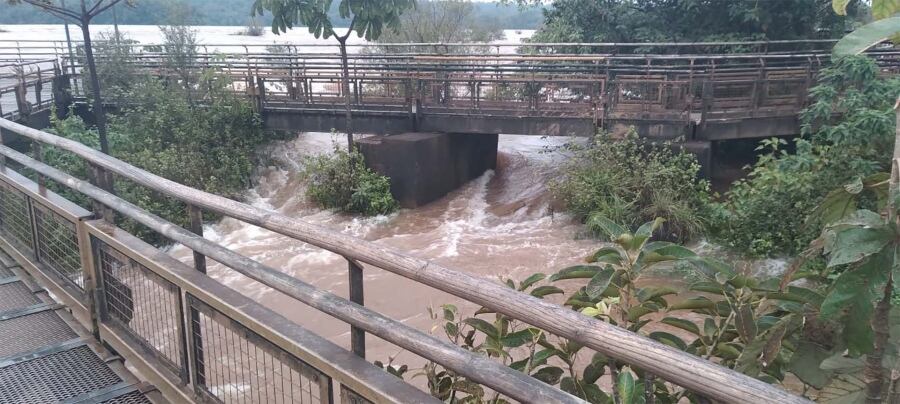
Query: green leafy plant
<point>631,182</point>
<point>341,181</point>
<point>211,147</point>
<point>766,329</point>
<point>847,132</point>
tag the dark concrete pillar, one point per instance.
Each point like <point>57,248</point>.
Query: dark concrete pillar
<point>426,166</point>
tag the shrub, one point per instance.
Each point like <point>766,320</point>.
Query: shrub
<point>631,182</point>
<point>847,133</point>
<point>755,327</point>
<point>210,147</point>
<point>341,181</point>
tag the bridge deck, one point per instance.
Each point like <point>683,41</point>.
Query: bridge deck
<point>46,356</point>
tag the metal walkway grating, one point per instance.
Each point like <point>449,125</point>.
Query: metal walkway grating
<point>46,357</point>
<point>16,295</point>
<point>55,377</point>
<point>30,332</point>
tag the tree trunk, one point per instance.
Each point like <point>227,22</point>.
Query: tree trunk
<point>345,84</point>
<point>874,373</point>
<point>99,113</point>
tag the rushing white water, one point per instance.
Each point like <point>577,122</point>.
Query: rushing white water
<point>501,224</point>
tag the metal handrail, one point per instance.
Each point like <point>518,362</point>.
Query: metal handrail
<point>689,371</point>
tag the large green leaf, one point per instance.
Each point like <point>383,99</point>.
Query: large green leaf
<point>548,374</point>
<point>867,36</point>
<point>483,326</point>
<point>683,324</point>
<point>610,229</point>
<point>847,387</point>
<point>745,323</point>
<point>884,8</point>
<point>531,280</point>
<point>625,388</point>
<point>545,290</point>
<point>854,294</point>
<point>806,362</point>
<point>599,282</point>
<point>519,338</point>
<point>840,6</point>
<point>693,303</point>
<point>853,244</point>
<point>576,272</point>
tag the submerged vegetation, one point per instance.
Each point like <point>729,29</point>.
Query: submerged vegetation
<point>631,181</point>
<point>342,182</point>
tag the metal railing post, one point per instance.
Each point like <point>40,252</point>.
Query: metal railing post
<point>196,227</point>
<point>102,179</point>
<point>357,335</point>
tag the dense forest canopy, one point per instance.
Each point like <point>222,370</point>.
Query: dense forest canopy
<point>691,20</point>
<point>237,12</point>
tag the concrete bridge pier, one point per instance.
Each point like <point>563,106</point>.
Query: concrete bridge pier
<point>423,167</point>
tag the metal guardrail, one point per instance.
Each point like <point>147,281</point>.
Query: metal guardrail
<point>123,268</point>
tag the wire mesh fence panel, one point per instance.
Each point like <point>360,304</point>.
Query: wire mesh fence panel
<point>15,217</point>
<point>143,304</point>
<point>236,365</point>
<point>57,244</point>
<point>351,397</point>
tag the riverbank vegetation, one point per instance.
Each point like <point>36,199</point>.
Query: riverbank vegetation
<point>341,181</point>
<point>191,129</point>
<point>828,328</point>
<point>631,181</point>
<point>848,133</point>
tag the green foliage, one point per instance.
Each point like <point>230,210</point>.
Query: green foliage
<point>674,21</point>
<point>449,21</point>
<point>115,67</point>
<point>886,26</point>
<point>631,182</point>
<point>234,13</point>
<point>341,181</point>
<point>847,135</point>
<point>368,18</point>
<point>764,329</point>
<point>210,147</point>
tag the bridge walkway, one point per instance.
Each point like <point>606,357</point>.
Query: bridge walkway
<point>47,357</point>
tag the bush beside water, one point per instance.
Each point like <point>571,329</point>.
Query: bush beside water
<point>342,182</point>
<point>630,181</point>
<point>847,135</point>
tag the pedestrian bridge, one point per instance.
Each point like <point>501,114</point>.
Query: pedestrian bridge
<point>697,92</point>
<point>193,339</point>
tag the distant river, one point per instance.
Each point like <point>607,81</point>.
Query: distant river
<point>207,35</point>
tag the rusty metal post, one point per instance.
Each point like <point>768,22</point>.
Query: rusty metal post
<point>38,88</point>
<point>357,335</point>
<point>196,227</point>
<point>99,177</point>
<point>39,156</point>
<point>260,94</point>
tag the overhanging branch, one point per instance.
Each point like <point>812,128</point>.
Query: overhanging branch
<point>55,10</point>
<point>101,10</point>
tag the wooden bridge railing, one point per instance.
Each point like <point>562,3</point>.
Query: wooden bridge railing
<point>173,320</point>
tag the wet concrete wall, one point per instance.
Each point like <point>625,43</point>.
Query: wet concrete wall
<point>426,166</point>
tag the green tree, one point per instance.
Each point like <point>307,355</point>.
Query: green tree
<point>368,18</point>
<point>82,17</point>
<point>677,20</point>
<point>444,21</point>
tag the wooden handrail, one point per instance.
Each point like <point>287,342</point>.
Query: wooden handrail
<point>681,368</point>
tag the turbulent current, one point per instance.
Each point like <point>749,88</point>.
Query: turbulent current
<point>500,224</point>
